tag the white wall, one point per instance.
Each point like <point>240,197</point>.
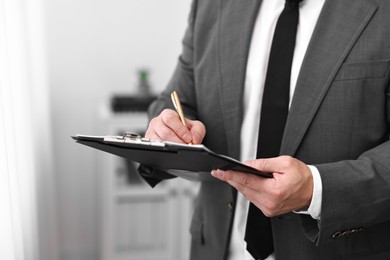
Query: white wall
<point>95,48</point>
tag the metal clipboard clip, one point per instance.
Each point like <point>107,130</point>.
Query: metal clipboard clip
<point>133,138</point>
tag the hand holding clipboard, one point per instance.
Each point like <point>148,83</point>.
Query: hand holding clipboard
<point>167,155</point>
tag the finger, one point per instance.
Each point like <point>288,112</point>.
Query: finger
<point>160,131</point>
<point>197,130</point>
<point>151,134</point>
<point>259,198</point>
<point>172,120</point>
<point>273,165</point>
<point>228,177</point>
<point>245,179</point>
<point>247,192</point>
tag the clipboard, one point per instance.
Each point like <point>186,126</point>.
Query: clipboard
<point>165,155</point>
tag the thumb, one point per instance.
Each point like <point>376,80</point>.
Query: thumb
<point>273,165</point>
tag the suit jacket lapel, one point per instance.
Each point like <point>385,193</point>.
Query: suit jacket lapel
<point>337,29</point>
<point>236,21</point>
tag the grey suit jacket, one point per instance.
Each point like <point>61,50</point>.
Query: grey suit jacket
<point>339,121</point>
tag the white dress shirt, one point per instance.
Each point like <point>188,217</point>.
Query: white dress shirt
<point>254,84</point>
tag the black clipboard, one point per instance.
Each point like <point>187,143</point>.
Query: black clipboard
<point>165,155</point>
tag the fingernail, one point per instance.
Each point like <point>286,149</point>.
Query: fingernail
<point>217,173</point>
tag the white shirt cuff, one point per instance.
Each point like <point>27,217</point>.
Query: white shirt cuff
<point>314,209</point>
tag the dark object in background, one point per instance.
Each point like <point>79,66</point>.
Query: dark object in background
<point>121,103</point>
<point>138,102</point>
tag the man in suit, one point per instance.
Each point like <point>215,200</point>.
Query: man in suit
<point>330,194</point>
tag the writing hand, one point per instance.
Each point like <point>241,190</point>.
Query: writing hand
<point>290,188</point>
<point>168,127</point>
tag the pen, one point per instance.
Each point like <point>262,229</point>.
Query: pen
<point>179,110</point>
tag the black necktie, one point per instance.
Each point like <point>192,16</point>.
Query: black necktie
<point>274,113</point>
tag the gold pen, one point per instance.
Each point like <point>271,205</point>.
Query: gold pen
<point>179,110</point>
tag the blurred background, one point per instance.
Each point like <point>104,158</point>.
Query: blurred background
<point>85,67</point>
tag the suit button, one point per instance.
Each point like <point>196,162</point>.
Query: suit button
<point>354,230</point>
<point>337,234</point>
<point>343,233</point>
<point>361,229</point>
<point>230,205</point>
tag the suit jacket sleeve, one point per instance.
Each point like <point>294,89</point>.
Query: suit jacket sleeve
<point>356,193</point>
<point>183,82</point>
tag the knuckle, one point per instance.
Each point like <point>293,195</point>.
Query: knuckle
<point>201,126</point>
<point>263,163</point>
<point>153,122</point>
<point>198,131</point>
<point>169,119</point>
<point>181,130</point>
<point>164,133</point>
<point>245,180</point>
<point>166,112</point>
<point>288,161</point>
